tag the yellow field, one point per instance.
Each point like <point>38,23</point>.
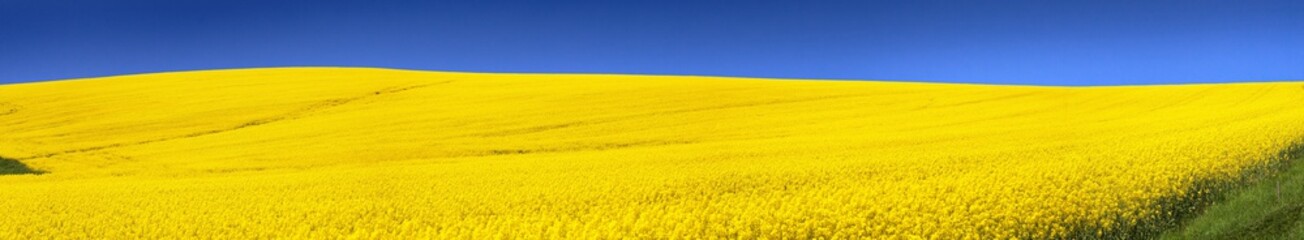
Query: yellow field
<point>370,153</point>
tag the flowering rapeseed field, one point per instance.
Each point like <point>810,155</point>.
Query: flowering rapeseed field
<point>369,153</point>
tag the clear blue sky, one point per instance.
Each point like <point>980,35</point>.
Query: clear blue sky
<point>1023,42</point>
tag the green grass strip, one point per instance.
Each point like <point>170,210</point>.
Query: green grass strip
<point>12,167</point>
<point>1271,208</point>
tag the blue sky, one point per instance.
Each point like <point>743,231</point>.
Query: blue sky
<point>1006,42</point>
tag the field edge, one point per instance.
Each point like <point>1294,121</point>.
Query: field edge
<point>1270,205</point>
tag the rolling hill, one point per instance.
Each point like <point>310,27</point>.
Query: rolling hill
<point>377,153</point>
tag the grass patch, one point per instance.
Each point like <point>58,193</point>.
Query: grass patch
<point>1269,208</point>
<point>1200,213</point>
<point>14,167</point>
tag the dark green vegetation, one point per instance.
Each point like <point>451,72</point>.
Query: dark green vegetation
<point>1271,207</point>
<point>11,167</point>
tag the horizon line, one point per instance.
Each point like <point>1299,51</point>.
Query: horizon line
<point>1255,81</point>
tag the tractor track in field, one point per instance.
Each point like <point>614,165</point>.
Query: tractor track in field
<point>291,115</point>
<point>549,127</point>
<point>8,109</point>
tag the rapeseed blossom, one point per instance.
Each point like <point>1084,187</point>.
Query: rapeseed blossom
<point>382,154</point>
